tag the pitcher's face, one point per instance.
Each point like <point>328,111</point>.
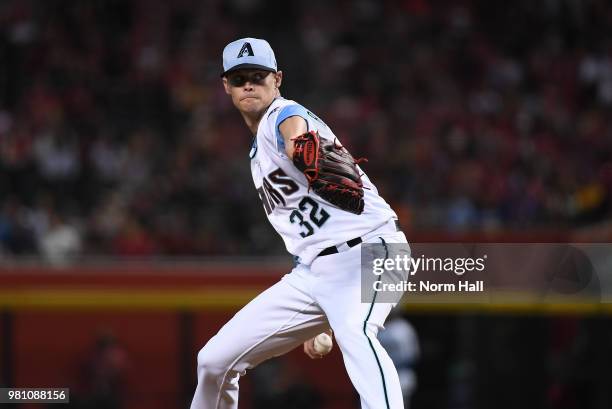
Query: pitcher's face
<point>252,91</point>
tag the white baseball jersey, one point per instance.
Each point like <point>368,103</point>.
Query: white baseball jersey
<point>306,222</point>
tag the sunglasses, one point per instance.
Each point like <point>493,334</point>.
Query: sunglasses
<point>255,78</point>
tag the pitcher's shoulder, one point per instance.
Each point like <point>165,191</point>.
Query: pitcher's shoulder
<point>277,106</point>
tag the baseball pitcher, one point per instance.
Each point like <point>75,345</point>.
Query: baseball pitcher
<point>324,207</point>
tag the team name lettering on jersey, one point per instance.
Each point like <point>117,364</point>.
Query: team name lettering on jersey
<point>268,193</point>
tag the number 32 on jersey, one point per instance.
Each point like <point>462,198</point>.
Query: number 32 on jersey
<point>272,192</point>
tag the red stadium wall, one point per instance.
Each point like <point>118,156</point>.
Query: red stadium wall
<point>50,349</point>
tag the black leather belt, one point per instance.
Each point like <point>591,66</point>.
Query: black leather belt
<point>350,243</point>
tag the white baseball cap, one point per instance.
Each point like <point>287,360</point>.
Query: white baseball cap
<point>248,53</point>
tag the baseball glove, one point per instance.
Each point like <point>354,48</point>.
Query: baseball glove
<point>330,170</point>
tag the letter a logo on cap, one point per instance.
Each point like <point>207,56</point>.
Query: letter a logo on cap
<point>246,49</point>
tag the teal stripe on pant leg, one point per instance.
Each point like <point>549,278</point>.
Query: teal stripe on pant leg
<point>382,374</point>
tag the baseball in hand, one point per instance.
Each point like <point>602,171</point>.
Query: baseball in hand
<point>323,343</point>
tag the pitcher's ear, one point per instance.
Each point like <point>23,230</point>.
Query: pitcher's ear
<point>226,86</point>
<point>278,79</point>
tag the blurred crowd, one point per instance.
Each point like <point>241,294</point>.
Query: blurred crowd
<point>116,137</point>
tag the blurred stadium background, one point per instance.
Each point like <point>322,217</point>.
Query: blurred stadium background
<point>130,231</point>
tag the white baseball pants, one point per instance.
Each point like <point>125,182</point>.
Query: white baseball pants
<point>301,305</point>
